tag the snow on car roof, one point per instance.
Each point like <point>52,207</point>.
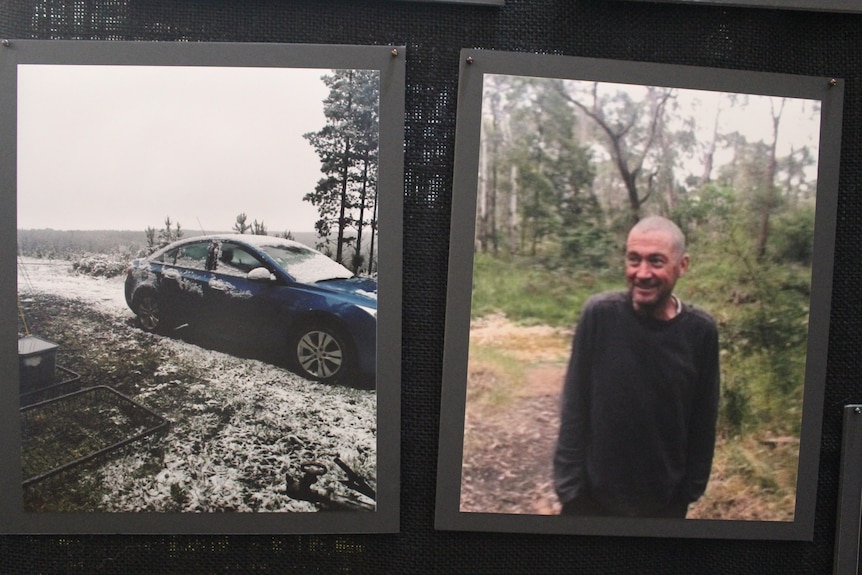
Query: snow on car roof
<point>256,240</point>
<point>317,267</point>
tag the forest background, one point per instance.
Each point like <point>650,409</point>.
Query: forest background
<point>567,166</point>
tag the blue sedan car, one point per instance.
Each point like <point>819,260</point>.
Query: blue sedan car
<point>264,290</point>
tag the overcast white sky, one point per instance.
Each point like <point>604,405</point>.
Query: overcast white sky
<point>121,147</point>
<point>751,116</point>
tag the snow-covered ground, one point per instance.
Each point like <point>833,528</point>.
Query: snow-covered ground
<point>57,277</point>
<point>239,427</point>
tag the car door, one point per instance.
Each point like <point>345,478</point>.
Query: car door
<point>184,281</point>
<point>247,308</point>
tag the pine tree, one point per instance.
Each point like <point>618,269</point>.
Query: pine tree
<point>347,146</point>
<point>241,226</point>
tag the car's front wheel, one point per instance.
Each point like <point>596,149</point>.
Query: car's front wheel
<point>322,353</point>
<point>149,311</point>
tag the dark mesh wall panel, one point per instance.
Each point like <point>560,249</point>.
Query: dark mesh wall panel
<point>818,44</point>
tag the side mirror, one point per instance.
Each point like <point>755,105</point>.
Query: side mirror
<point>260,274</point>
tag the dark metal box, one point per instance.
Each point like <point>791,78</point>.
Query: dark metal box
<point>37,359</point>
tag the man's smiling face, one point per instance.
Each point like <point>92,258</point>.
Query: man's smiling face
<point>653,266</point>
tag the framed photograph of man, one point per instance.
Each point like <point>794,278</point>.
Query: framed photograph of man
<point>207,238</point>
<point>638,299</point>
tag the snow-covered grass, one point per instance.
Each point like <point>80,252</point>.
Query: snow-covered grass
<point>240,427</point>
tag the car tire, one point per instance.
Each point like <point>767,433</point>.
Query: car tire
<point>321,352</point>
<point>149,311</point>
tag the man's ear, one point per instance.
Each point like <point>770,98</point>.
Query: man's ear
<point>683,264</point>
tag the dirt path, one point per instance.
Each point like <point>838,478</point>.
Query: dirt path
<point>515,377</point>
<point>511,421</point>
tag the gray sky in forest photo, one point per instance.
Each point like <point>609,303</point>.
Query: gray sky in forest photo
<point>750,116</point>
<point>122,147</point>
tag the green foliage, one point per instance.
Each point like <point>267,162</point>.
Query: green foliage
<point>793,237</point>
<point>258,228</point>
<point>589,246</point>
<point>734,405</point>
<point>348,150</point>
<point>529,293</point>
<point>73,244</point>
<point>710,205</point>
<point>160,238</point>
<point>241,224</point>
<point>102,265</point>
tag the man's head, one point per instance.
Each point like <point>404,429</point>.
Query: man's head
<point>655,260</point>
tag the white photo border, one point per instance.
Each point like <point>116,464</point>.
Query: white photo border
<point>390,62</point>
<point>475,64</point>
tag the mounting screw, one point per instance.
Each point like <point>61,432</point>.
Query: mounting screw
<point>469,59</point>
<point>4,42</point>
<point>833,82</point>
<point>394,52</point>
<point>857,410</point>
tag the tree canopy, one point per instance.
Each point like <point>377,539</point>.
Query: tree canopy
<point>346,195</point>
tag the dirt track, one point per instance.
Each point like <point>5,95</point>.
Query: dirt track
<point>508,443</point>
<point>515,378</point>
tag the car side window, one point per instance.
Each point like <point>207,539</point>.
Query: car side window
<point>165,258</point>
<point>236,260</point>
<point>193,256</point>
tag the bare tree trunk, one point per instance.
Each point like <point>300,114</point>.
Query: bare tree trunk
<point>771,199</point>
<point>513,210</point>
<point>481,235</point>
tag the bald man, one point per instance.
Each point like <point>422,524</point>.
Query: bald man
<point>640,400</point>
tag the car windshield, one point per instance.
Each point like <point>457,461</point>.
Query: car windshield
<point>306,265</point>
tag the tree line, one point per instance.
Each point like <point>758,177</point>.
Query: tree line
<point>565,166</point>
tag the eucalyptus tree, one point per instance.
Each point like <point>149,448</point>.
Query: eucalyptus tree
<point>630,120</point>
<point>534,172</point>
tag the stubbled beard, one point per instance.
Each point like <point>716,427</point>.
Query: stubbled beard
<point>660,300</point>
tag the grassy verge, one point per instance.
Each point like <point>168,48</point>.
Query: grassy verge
<point>530,294</point>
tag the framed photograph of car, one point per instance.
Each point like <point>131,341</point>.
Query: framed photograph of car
<point>636,342</point>
<point>207,238</point>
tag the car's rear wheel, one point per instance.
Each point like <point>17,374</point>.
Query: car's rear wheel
<point>149,312</point>
<point>322,353</point>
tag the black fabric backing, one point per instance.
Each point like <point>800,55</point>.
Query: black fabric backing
<point>817,44</point>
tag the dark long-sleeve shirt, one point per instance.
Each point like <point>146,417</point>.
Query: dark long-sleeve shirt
<point>639,408</point>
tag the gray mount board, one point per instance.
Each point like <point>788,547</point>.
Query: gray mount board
<point>390,62</point>
<point>474,67</point>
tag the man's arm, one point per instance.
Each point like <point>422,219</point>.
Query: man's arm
<point>569,472</point>
<point>701,441</point>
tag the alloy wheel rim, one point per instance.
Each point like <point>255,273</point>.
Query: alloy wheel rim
<point>319,354</point>
<point>148,311</point>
